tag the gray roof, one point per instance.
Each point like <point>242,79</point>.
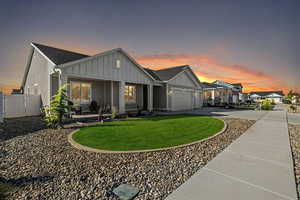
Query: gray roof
<point>59,56</point>
<point>211,85</point>
<point>152,73</point>
<point>169,73</point>
<point>266,93</point>
<point>237,85</point>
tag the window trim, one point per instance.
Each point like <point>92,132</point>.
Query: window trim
<point>90,91</point>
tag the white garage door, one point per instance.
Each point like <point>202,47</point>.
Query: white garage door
<point>182,99</point>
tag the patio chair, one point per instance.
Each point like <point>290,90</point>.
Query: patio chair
<point>104,113</point>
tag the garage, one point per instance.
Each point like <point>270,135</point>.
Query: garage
<point>182,99</point>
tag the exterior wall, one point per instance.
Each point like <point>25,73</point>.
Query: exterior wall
<point>159,98</point>
<point>139,95</point>
<point>38,78</point>
<point>182,80</point>
<point>1,107</point>
<point>104,67</point>
<point>21,105</point>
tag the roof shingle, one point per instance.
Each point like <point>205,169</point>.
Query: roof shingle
<point>59,56</point>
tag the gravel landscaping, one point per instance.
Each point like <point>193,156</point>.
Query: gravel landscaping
<point>295,143</point>
<point>43,165</point>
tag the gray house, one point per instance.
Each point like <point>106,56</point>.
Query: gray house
<point>112,77</point>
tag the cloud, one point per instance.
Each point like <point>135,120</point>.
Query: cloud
<point>209,68</point>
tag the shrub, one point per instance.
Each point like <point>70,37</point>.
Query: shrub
<point>114,112</point>
<point>293,108</point>
<point>266,105</point>
<point>94,107</point>
<point>59,107</point>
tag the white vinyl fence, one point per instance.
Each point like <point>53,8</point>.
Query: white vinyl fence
<point>20,105</point>
<point>1,107</point>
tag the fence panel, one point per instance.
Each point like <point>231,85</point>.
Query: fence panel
<point>21,105</point>
<point>1,107</point>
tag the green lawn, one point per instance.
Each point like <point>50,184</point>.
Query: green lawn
<point>148,133</point>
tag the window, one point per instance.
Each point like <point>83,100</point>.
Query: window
<point>81,92</point>
<point>130,94</point>
<point>118,64</point>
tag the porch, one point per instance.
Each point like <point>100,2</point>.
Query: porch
<point>123,96</point>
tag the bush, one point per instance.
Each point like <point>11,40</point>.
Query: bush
<point>266,105</point>
<point>59,107</point>
<point>114,112</point>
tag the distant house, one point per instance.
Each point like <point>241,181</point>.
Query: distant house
<point>275,96</point>
<point>215,95</point>
<point>110,78</point>
<point>234,93</point>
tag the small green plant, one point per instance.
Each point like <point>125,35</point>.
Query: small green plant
<point>114,112</point>
<point>266,105</point>
<point>59,107</point>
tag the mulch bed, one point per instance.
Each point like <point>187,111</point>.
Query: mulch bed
<point>43,165</point>
<point>295,144</point>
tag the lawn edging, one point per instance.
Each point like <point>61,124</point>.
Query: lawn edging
<point>90,149</point>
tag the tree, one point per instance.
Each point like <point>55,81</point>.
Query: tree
<point>59,107</point>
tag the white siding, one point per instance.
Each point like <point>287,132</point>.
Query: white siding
<point>104,67</point>
<point>38,78</point>
<point>183,80</point>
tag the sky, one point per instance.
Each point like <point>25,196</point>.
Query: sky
<point>252,42</point>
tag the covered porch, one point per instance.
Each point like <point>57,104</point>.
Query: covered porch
<point>123,96</point>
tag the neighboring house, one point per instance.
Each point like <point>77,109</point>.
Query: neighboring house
<point>233,92</point>
<point>275,96</point>
<point>214,95</point>
<point>241,95</point>
<point>112,77</point>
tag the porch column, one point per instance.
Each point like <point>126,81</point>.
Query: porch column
<point>167,98</point>
<point>112,93</point>
<point>121,97</point>
<point>150,97</point>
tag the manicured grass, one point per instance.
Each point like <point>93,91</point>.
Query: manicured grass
<point>148,133</point>
<point>246,107</point>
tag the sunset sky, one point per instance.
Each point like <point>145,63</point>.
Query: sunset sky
<point>253,42</point>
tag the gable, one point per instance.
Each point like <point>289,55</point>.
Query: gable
<point>104,66</point>
<point>183,79</point>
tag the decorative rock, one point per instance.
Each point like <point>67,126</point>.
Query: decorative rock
<point>46,166</point>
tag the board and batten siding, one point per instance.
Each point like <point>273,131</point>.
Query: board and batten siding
<point>103,67</point>
<point>38,78</point>
<point>184,80</point>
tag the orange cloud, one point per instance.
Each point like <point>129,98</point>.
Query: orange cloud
<point>209,69</point>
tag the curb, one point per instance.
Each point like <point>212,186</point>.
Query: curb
<point>90,149</point>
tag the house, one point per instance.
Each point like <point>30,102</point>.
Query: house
<point>239,87</point>
<point>275,96</point>
<point>233,92</point>
<point>214,95</point>
<point>110,78</point>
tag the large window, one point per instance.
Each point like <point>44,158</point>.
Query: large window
<point>81,92</point>
<point>130,94</point>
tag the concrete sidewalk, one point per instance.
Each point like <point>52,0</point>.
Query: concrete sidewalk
<point>258,165</point>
